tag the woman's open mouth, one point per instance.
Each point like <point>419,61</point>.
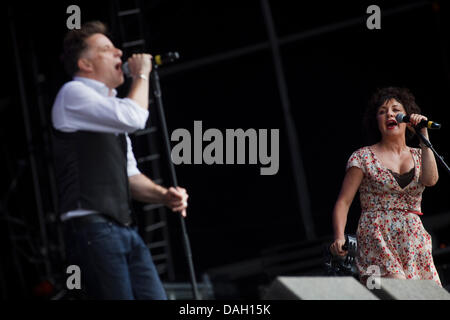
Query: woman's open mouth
<point>391,124</point>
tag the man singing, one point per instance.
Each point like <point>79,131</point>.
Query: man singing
<point>96,170</point>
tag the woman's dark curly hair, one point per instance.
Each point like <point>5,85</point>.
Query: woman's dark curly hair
<point>402,95</point>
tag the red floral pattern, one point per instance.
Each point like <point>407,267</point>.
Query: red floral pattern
<point>390,232</point>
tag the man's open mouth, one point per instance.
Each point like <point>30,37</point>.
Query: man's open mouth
<point>118,66</point>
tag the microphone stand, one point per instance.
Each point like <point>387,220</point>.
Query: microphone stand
<point>154,81</point>
<point>439,158</point>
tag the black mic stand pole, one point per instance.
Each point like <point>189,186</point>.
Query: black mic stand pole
<point>155,85</point>
<point>439,158</point>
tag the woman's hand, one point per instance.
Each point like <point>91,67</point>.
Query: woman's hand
<point>336,247</point>
<point>415,119</point>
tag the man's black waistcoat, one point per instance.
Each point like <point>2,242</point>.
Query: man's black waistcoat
<point>91,173</point>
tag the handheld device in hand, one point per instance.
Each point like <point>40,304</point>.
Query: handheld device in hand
<point>342,266</point>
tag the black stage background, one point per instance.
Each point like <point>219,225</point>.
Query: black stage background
<point>234,213</point>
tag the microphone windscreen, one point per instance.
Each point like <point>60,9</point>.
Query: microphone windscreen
<point>126,69</point>
<point>400,117</point>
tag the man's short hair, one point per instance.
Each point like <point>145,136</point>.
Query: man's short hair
<point>75,44</point>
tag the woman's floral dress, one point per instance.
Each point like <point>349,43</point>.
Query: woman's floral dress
<point>390,233</point>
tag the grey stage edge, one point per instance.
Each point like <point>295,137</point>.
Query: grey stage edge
<point>348,288</point>
<point>396,289</point>
<point>318,288</point>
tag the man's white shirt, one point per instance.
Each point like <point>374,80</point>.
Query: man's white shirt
<point>86,105</point>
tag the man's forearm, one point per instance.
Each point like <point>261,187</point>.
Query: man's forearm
<point>140,67</point>
<point>145,190</point>
<point>139,92</point>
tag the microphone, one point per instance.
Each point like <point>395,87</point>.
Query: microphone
<point>159,60</point>
<point>422,124</point>
<point>168,57</point>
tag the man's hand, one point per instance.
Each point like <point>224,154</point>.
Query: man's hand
<point>145,190</point>
<point>176,199</point>
<point>140,63</point>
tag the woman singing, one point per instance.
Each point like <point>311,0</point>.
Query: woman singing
<point>391,177</point>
